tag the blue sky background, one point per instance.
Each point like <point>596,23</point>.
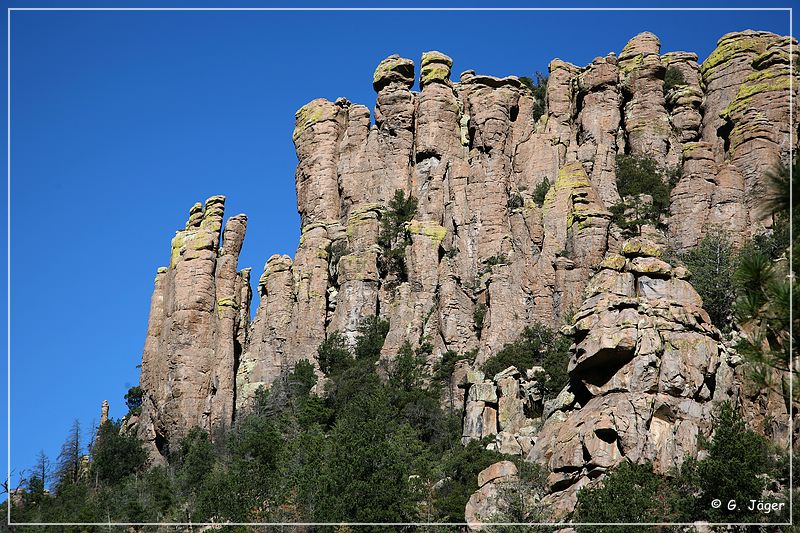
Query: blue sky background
<point>122,120</point>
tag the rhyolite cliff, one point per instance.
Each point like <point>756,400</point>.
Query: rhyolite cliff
<point>647,366</point>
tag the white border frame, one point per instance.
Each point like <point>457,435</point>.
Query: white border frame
<point>390,524</point>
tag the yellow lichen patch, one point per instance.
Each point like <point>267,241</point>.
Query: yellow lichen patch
<point>431,73</point>
<point>311,113</point>
<point>629,64</point>
<point>434,231</point>
<point>641,247</point>
<point>688,148</point>
<point>392,64</point>
<point>435,57</point>
<point>571,175</point>
<point>759,82</point>
<point>613,262</point>
<point>177,248</point>
<point>730,47</point>
<point>227,302</point>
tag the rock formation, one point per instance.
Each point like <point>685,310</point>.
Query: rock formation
<point>484,255</point>
<point>199,316</point>
<point>484,505</point>
<point>646,372</point>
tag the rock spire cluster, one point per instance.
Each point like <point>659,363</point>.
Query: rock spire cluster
<point>484,243</point>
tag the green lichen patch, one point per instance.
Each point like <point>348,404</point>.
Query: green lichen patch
<point>613,262</point>
<point>641,247</point>
<point>759,82</point>
<point>731,47</point>
<point>435,57</point>
<point>178,245</point>
<point>688,148</point>
<point>393,69</point>
<point>572,175</point>
<point>311,113</point>
<point>434,73</point>
<point>434,231</point>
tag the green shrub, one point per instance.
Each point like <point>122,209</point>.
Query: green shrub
<point>478,316</point>
<point>637,176</point>
<point>195,457</point>
<point>133,399</point>
<point>444,368</point>
<point>333,354</point>
<point>540,192</point>
<point>393,237</point>
<point>630,493</point>
<point>538,90</point>
<point>515,201</point>
<point>116,455</point>
<point>737,467</point>
<point>537,345</point>
<point>672,78</point>
<point>495,260</point>
<point>713,264</point>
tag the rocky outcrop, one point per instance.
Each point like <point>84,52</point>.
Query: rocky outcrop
<point>485,503</point>
<point>484,254</point>
<point>744,133</point>
<point>646,373</point>
<point>505,406</point>
<point>196,330</point>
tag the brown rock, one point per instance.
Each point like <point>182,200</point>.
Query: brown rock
<point>188,360</point>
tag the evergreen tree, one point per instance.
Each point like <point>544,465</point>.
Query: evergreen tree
<point>69,460</point>
<point>713,265</point>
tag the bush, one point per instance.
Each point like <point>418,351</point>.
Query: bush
<point>116,455</point>
<point>333,354</point>
<point>713,265</point>
<point>515,201</point>
<point>393,237</point>
<point>537,345</point>
<point>444,368</point>
<point>637,176</point>
<point>735,468</point>
<point>672,78</point>
<point>540,192</point>
<point>478,316</point>
<point>538,90</point>
<point>133,399</point>
<point>631,493</point>
<point>195,457</point>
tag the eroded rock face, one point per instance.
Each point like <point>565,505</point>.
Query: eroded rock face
<point>485,254</point>
<point>744,133</point>
<point>647,371</point>
<point>484,504</point>
<point>196,330</point>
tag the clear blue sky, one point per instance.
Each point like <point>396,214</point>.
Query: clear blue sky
<point>122,120</point>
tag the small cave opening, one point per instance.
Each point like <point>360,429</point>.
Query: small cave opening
<point>161,444</point>
<point>604,365</point>
<point>586,455</point>
<point>582,394</point>
<point>513,113</point>
<point>724,133</point>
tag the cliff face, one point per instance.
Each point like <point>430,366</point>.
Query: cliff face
<point>472,155</point>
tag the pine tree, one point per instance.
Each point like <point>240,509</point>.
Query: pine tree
<point>69,460</point>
